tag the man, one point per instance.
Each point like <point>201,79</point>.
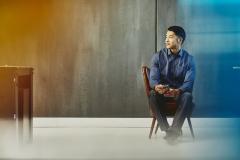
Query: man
<point>172,73</point>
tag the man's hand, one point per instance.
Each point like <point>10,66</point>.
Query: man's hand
<point>173,92</point>
<point>161,89</point>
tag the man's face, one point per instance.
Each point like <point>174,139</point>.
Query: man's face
<point>172,41</point>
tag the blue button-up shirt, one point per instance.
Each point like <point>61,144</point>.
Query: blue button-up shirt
<point>177,71</point>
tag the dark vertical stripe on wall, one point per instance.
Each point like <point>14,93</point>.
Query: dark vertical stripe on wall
<point>156,25</point>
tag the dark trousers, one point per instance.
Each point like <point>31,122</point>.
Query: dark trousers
<point>184,102</point>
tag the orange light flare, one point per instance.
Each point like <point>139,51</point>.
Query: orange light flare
<point>22,18</point>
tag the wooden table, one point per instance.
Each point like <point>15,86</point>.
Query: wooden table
<point>16,100</point>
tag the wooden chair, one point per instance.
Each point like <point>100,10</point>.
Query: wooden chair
<point>170,105</point>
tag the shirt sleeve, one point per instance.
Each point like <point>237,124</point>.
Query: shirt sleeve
<point>187,85</point>
<point>154,71</point>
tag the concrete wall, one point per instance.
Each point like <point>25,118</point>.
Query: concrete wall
<point>166,16</point>
<point>86,54</point>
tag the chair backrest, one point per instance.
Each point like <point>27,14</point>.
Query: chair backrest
<point>170,103</point>
<point>146,74</point>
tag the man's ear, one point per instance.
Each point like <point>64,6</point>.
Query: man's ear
<point>179,40</point>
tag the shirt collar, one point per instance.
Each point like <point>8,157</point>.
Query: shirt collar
<point>179,54</point>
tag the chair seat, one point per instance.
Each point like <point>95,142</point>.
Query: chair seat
<point>170,107</point>
<point>170,110</point>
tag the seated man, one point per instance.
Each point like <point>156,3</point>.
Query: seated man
<point>172,74</point>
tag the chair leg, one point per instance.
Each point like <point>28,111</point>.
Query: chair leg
<point>156,129</point>
<point>152,127</point>
<point>190,125</point>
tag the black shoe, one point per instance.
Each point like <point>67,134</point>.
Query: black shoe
<point>172,134</point>
<point>167,135</point>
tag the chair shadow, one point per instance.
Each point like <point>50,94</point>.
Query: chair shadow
<point>199,137</point>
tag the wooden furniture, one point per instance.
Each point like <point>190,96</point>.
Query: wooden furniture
<point>170,105</point>
<point>16,100</point>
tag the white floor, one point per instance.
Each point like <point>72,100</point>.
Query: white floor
<point>124,139</point>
